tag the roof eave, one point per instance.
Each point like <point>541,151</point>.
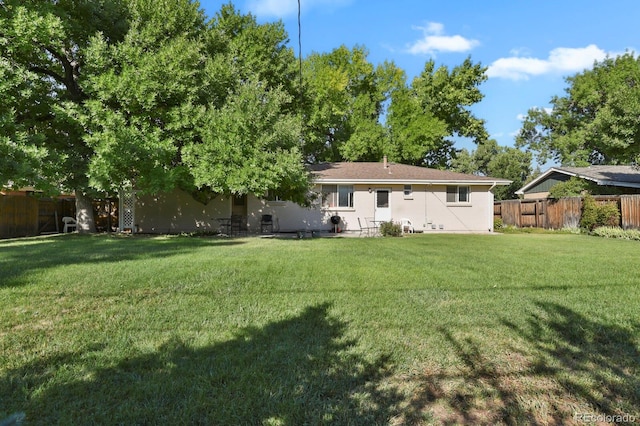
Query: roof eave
<point>493,182</point>
<point>614,183</point>
<point>599,182</point>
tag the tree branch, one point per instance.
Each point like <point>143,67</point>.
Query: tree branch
<point>70,78</point>
<point>57,77</point>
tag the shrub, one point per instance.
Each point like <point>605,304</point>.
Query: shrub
<point>498,224</point>
<point>571,230</point>
<point>574,187</point>
<point>608,215</point>
<point>390,229</point>
<point>595,215</point>
<point>589,216</point>
<point>616,232</point>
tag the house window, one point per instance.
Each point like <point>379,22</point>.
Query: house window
<point>408,192</point>
<point>458,194</point>
<point>337,196</point>
<point>273,196</point>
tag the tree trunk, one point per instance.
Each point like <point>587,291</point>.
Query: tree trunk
<point>84,213</point>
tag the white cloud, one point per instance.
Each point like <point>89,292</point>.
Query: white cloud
<point>521,117</point>
<point>560,60</point>
<point>284,8</point>
<point>520,51</point>
<point>435,40</point>
<point>277,8</point>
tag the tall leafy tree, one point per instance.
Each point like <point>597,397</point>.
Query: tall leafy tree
<point>203,106</point>
<point>146,96</point>
<point>358,112</point>
<point>424,117</point>
<point>491,159</point>
<point>252,134</point>
<point>343,106</point>
<point>416,135</point>
<point>102,94</point>
<point>597,121</point>
<point>42,49</point>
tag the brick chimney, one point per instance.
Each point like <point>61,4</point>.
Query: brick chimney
<point>384,162</point>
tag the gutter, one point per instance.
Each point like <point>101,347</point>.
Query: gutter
<point>412,181</point>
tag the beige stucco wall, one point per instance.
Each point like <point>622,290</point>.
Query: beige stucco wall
<point>427,209</point>
<point>475,216</point>
<point>177,211</point>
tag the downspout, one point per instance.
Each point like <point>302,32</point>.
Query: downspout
<point>491,207</point>
<point>426,203</point>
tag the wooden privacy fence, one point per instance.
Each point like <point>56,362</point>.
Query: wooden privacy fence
<point>563,213</point>
<point>28,216</point>
<point>18,216</point>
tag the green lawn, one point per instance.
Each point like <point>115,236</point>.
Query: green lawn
<point>427,329</point>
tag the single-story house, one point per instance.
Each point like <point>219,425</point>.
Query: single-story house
<point>619,179</point>
<point>433,200</point>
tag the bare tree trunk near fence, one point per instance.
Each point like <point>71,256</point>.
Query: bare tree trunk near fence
<point>84,213</point>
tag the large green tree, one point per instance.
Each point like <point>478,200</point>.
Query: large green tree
<point>42,54</point>
<point>344,101</point>
<point>151,95</point>
<point>596,122</point>
<point>424,117</point>
<point>491,159</point>
<point>161,118</point>
<point>356,111</point>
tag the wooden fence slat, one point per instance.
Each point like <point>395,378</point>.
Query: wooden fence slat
<point>630,211</point>
<point>18,216</point>
<point>25,215</point>
<point>563,213</point>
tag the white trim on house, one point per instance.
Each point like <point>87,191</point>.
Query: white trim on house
<point>414,182</point>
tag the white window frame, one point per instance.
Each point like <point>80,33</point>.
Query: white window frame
<point>272,198</point>
<point>332,199</point>
<point>457,192</point>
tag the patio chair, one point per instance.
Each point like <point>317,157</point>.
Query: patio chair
<point>266,224</point>
<point>364,229</point>
<point>70,224</point>
<point>373,225</point>
<point>238,225</point>
<point>407,226</point>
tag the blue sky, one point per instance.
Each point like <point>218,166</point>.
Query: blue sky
<point>529,47</point>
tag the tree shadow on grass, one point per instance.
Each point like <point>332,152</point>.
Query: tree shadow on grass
<point>562,365</point>
<point>598,363</point>
<point>22,256</point>
<point>296,371</point>
<point>477,391</point>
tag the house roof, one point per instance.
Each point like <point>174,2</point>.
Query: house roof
<point>360,172</point>
<point>625,176</point>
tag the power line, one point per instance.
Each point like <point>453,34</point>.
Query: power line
<point>300,48</point>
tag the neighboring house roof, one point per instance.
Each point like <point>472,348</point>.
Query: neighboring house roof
<point>624,176</point>
<point>360,172</point>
